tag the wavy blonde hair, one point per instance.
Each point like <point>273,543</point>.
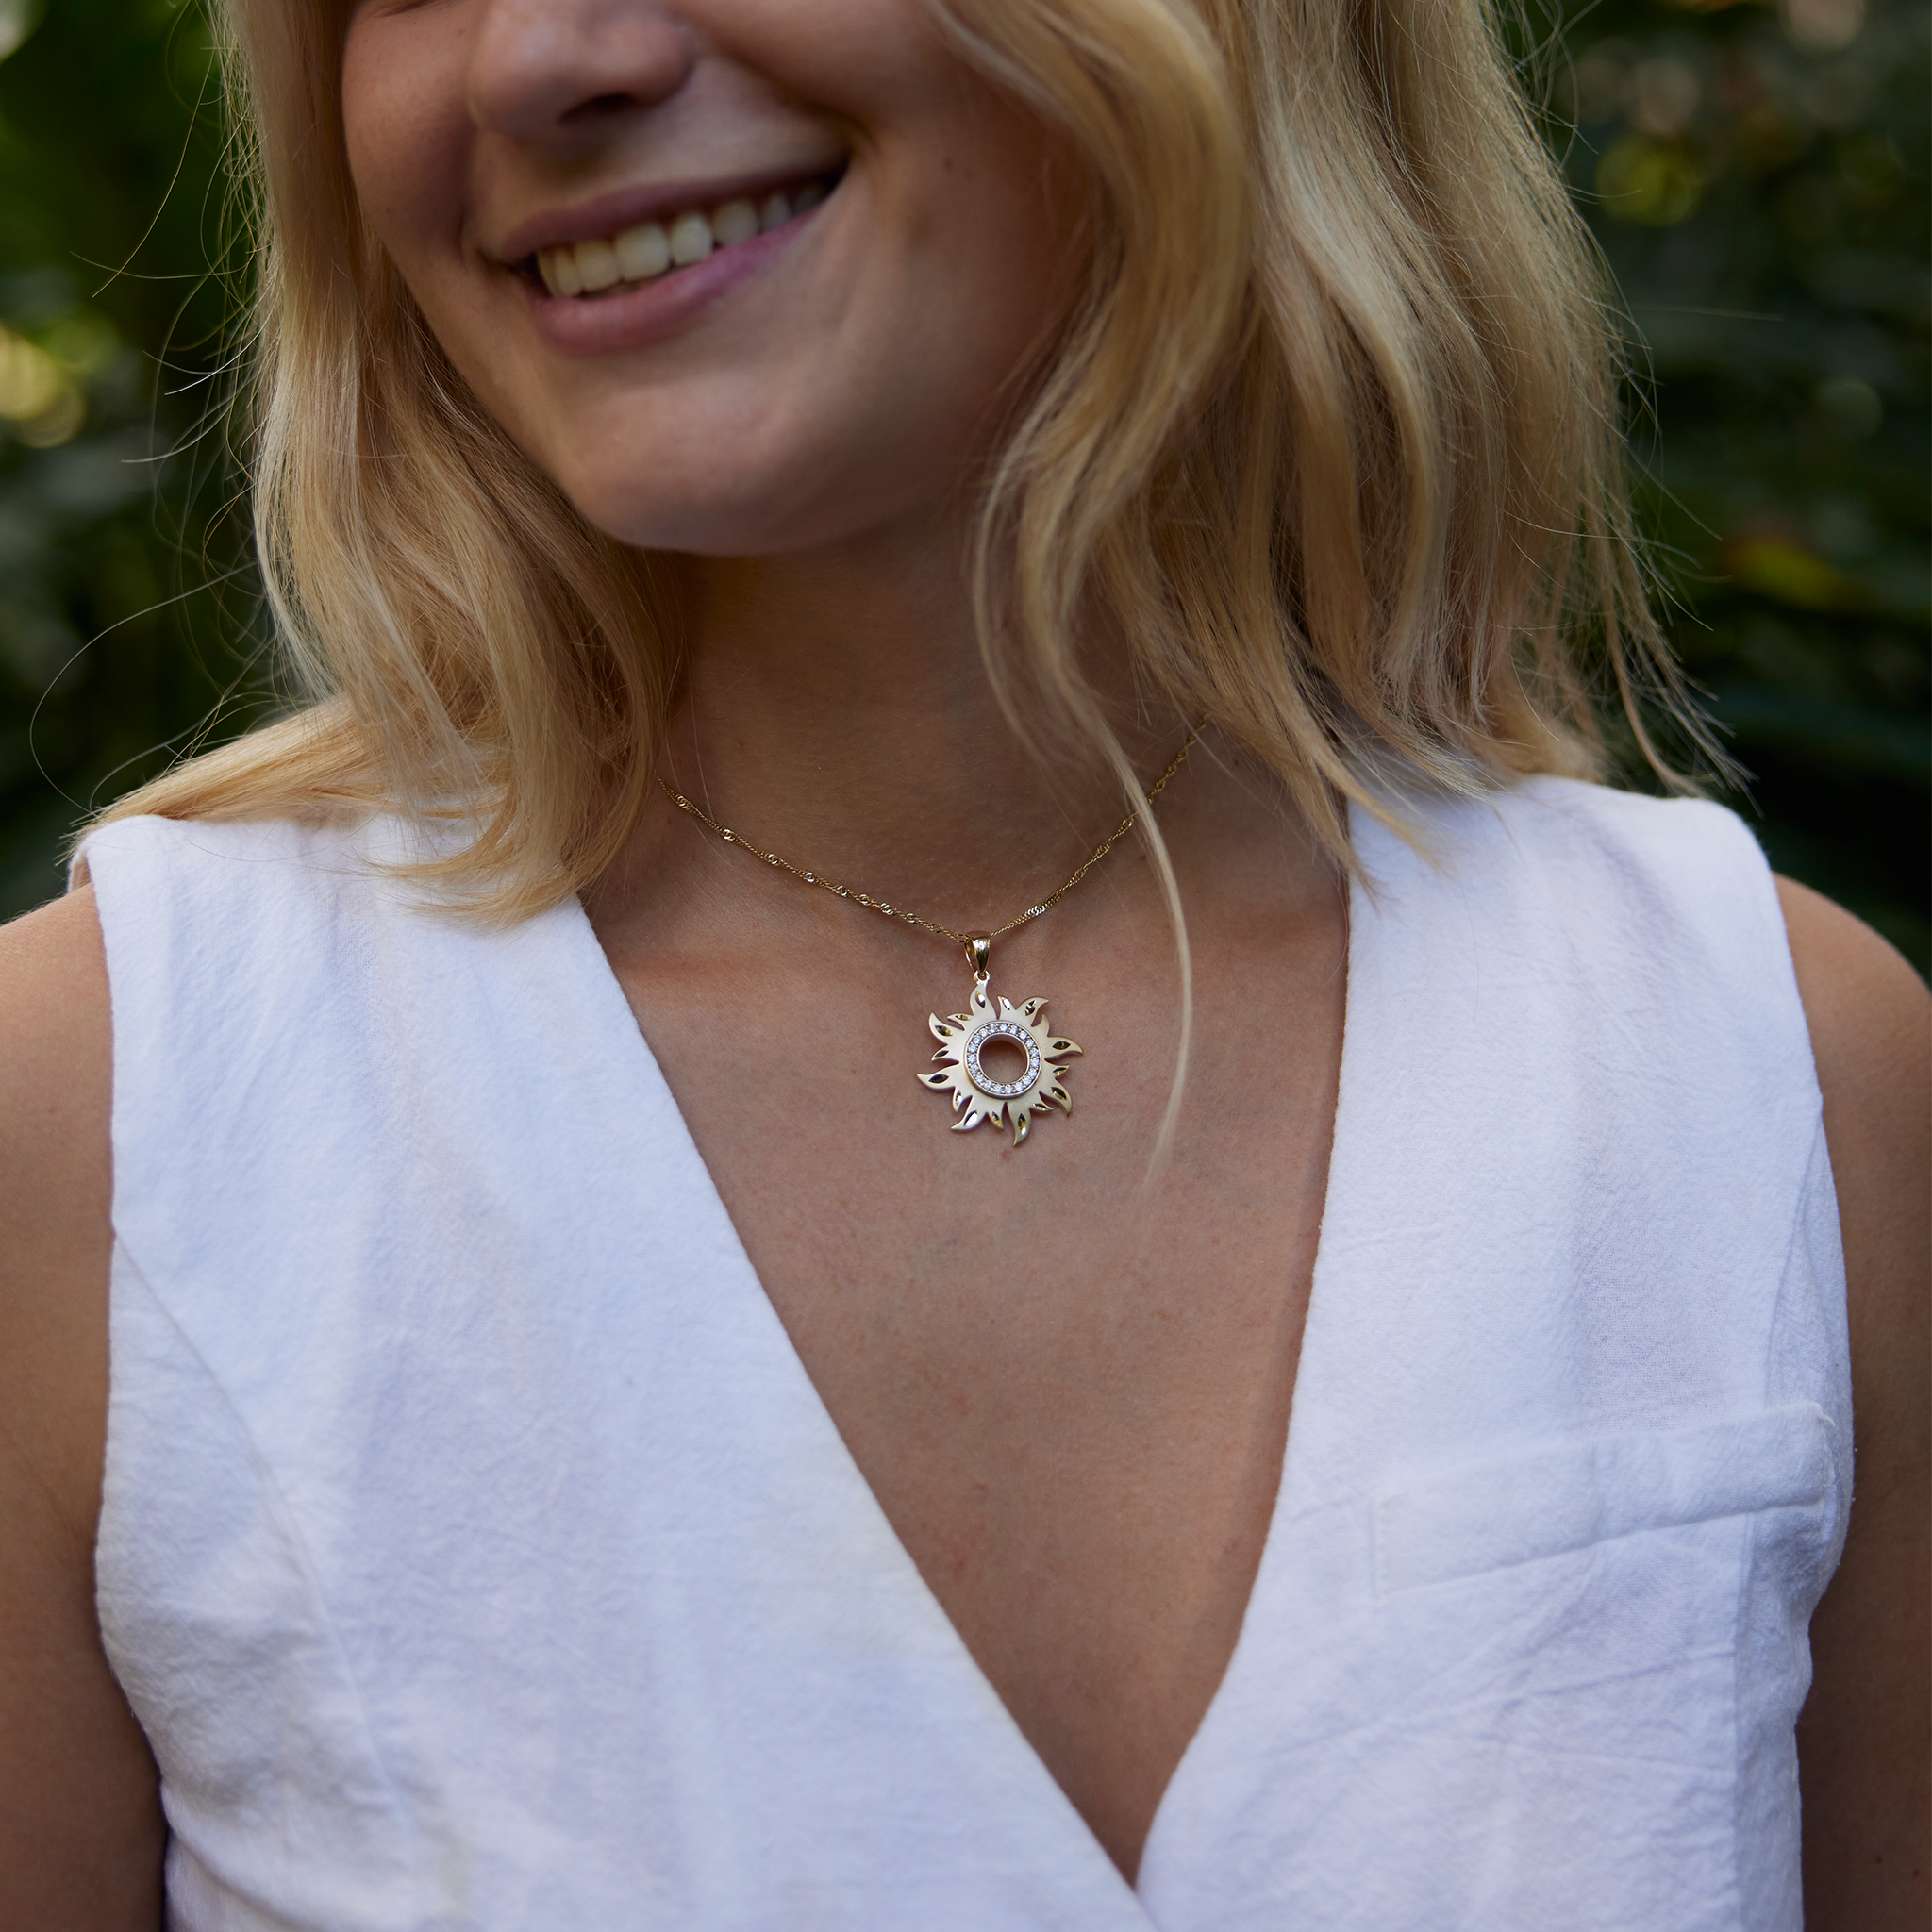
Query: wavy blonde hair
<point>1328,443</point>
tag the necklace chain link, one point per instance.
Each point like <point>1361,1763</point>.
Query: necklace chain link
<point>933,925</point>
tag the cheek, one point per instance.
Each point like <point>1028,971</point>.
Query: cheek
<point>874,395</point>
<point>406,127</point>
<point>985,289</point>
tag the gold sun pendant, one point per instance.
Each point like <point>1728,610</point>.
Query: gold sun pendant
<point>992,1020</point>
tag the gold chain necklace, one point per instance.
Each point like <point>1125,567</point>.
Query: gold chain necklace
<point>978,1094</point>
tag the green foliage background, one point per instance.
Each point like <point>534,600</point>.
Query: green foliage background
<point>1756,176</point>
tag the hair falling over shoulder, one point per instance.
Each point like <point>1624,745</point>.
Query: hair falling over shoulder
<point>1328,442</point>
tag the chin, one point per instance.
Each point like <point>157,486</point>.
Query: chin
<point>722,523</point>
<point>740,512</point>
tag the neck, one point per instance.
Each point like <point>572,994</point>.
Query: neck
<point>838,712</point>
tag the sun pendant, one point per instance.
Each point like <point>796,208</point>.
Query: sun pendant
<point>978,1093</point>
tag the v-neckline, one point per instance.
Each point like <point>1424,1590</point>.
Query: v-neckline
<point>645,1082</point>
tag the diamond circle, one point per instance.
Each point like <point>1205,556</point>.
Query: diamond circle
<point>1001,1090</point>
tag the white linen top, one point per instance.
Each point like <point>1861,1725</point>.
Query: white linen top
<point>477,1555</point>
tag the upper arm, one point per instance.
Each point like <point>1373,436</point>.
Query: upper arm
<point>80,1826</point>
<point>1863,1735</point>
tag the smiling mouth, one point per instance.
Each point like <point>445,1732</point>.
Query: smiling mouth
<point>609,263</point>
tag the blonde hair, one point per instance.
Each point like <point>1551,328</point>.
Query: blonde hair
<point>1328,444</point>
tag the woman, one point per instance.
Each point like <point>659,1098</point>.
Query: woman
<point>544,1479</point>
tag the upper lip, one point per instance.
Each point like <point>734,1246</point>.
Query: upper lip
<point>629,207</point>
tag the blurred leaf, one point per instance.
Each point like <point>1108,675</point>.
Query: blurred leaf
<point>1643,180</point>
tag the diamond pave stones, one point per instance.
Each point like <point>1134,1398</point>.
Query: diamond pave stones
<point>1020,1037</point>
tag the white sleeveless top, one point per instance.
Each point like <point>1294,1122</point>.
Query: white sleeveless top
<point>477,1555</point>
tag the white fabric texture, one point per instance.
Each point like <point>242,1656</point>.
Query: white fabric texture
<point>477,1554</point>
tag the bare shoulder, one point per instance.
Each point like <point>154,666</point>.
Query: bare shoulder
<point>56,1090</point>
<point>80,1833</point>
<point>1862,1740</point>
<point>1871,1022</point>
<point>1870,1014</point>
<point>56,1058</point>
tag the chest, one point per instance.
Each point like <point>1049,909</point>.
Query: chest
<point>1066,1377</point>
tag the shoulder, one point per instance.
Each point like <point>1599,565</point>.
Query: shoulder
<point>1862,1741</point>
<point>1660,909</point>
<point>80,1824</point>
<point>1870,1017</point>
<point>176,910</point>
<point>1559,846</point>
<point>56,1185</point>
<point>55,1078</point>
<point>39,953</point>
<point>1870,1014</point>
<point>142,861</point>
<point>55,1242</point>
<point>212,928</point>
<point>1675,840</point>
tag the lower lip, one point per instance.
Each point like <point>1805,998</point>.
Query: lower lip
<point>648,312</point>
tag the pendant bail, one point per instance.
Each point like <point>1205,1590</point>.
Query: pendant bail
<point>979,950</point>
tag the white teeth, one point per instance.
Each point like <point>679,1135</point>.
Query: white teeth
<point>643,252</point>
<point>690,239</point>
<point>597,264</point>
<point>737,221</point>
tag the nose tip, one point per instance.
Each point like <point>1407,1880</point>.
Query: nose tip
<point>545,70</point>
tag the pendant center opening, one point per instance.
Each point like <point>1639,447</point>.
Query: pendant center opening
<point>1002,1061</point>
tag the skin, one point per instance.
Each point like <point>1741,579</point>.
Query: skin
<point>1071,1405</point>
